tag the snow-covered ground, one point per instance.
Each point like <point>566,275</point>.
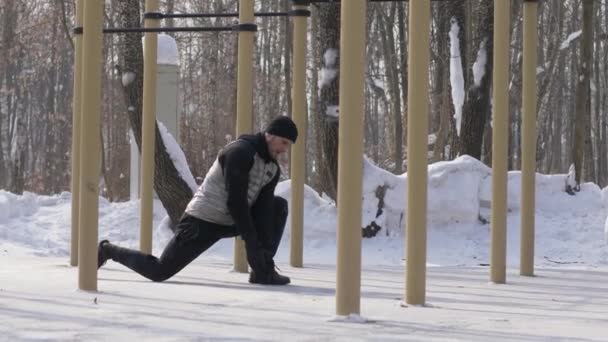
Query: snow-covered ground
<point>567,300</point>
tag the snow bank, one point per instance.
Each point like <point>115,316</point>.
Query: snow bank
<point>568,228</point>
<point>459,191</point>
<point>321,214</point>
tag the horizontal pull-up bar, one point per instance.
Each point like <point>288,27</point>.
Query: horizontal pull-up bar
<point>233,28</point>
<point>293,13</point>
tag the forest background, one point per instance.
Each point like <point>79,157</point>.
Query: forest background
<point>36,81</point>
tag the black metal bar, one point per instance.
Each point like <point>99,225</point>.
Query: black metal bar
<point>299,13</point>
<point>271,14</point>
<point>300,2</point>
<point>246,27</point>
<point>157,15</point>
<point>168,29</point>
<point>233,28</point>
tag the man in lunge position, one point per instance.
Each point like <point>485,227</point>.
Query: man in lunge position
<point>236,198</point>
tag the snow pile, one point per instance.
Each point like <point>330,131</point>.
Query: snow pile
<point>568,228</point>
<point>177,156</point>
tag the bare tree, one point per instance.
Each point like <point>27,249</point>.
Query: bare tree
<point>581,149</point>
<point>329,38</point>
<point>36,61</point>
<point>387,18</point>
<point>449,13</point>
<point>476,109</point>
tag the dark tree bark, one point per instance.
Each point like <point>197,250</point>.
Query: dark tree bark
<point>392,65</point>
<point>476,109</point>
<point>329,32</point>
<point>7,20</point>
<point>287,56</point>
<point>401,29</point>
<point>580,149</point>
<point>446,135</point>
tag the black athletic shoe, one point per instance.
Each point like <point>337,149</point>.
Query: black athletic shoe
<point>103,253</point>
<point>274,278</point>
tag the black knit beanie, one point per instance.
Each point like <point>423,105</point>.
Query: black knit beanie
<point>284,127</point>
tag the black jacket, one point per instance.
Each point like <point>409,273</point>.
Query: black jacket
<point>236,161</point>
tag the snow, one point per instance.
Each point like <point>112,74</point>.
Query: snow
<point>456,76</point>
<point>479,67</point>
<point>177,156</point>
<point>166,52</point>
<point>571,178</point>
<point>352,318</point>
<point>333,111</point>
<point>128,78</point>
<point>572,37</point>
<point>539,70</point>
<point>565,301</point>
<point>378,83</point>
<point>329,71</point>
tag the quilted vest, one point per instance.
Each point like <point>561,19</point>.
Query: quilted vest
<point>210,200</point>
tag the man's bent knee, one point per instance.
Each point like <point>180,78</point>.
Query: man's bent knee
<point>160,277</point>
<point>160,274</point>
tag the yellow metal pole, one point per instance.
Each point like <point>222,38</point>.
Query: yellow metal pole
<point>500,139</point>
<point>418,68</point>
<point>244,102</point>
<point>90,151</point>
<point>528,139</point>
<point>298,150</point>
<point>148,131</point>
<point>350,155</point>
<point>76,123</point>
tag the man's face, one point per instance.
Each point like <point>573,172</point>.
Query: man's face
<point>277,145</point>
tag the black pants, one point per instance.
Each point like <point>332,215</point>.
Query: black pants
<point>179,252</point>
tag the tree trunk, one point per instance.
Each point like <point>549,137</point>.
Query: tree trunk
<point>581,122</point>
<point>602,97</point>
<point>392,72</point>
<point>288,46</point>
<point>476,109</point>
<point>316,147</point>
<point>329,27</point>
<point>446,135</point>
<point>403,75</point>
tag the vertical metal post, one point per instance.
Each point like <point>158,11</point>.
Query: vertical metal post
<point>244,102</point>
<point>76,123</point>
<point>528,139</point>
<point>500,139</point>
<point>148,130</point>
<point>350,155</point>
<point>90,150</point>
<point>417,169</point>
<point>298,150</point>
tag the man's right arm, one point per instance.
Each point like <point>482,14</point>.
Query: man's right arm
<point>236,162</point>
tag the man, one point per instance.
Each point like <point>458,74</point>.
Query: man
<point>236,198</point>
